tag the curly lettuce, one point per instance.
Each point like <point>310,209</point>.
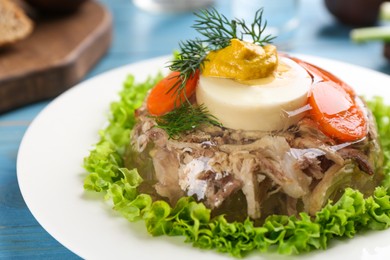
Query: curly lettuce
<point>285,234</point>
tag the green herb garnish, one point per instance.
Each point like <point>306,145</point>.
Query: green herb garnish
<point>185,118</point>
<point>217,32</point>
<point>187,62</point>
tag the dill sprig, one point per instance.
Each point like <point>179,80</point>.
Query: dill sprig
<point>256,30</point>
<point>191,57</point>
<point>184,118</point>
<point>188,61</point>
<point>217,32</point>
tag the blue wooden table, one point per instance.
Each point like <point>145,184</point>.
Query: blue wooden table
<point>140,35</point>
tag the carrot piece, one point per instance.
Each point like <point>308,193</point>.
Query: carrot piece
<point>334,105</point>
<point>163,98</point>
<point>319,74</point>
<point>336,112</point>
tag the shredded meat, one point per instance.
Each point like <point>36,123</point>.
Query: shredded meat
<point>219,187</point>
<point>360,158</point>
<point>165,166</point>
<point>301,166</point>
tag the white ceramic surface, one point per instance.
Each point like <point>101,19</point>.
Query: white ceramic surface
<point>50,175</point>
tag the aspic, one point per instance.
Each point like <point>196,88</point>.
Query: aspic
<point>240,134</point>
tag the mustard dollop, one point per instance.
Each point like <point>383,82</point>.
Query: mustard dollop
<point>241,61</point>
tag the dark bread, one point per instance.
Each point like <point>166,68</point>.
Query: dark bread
<point>15,25</point>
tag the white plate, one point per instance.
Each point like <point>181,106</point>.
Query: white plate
<point>50,175</point>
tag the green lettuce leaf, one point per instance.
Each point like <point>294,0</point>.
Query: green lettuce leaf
<point>285,234</point>
<point>105,162</point>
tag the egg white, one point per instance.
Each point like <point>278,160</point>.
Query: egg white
<point>257,104</point>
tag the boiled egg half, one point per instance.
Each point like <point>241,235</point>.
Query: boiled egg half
<point>265,104</point>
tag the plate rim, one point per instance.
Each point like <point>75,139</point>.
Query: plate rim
<point>159,59</point>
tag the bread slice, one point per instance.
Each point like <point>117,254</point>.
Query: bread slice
<point>15,25</point>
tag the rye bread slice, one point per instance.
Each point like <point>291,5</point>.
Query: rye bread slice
<point>15,25</point>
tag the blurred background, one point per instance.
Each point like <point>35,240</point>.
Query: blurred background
<point>128,31</point>
<point>319,33</point>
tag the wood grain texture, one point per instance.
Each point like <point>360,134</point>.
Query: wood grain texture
<point>61,50</point>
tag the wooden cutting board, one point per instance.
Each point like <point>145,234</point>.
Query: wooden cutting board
<point>58,54</point>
